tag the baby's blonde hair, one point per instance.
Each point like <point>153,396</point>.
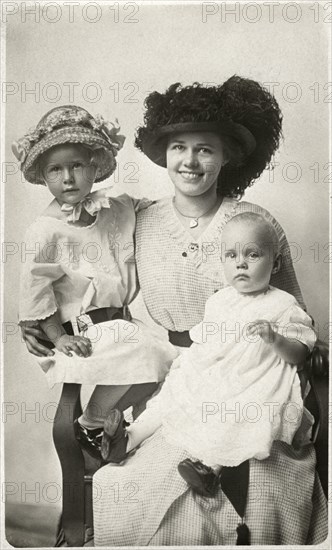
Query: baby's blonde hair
<point>253,218</point>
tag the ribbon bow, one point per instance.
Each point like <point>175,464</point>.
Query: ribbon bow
<point>92,203</point>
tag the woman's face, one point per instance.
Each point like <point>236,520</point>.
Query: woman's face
<point>194,160</point>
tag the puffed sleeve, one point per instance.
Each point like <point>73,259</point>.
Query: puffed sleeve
<point>38,273</point>
<point>295,324</point>
<point>142,204</point>
<point>137,204</point>
<point>285,279</point>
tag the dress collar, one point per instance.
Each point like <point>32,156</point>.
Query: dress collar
<point>92,203</point>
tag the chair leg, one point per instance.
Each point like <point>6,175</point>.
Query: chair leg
<point>72,463</point>
<point>60,536</point>
<point>320,388</point>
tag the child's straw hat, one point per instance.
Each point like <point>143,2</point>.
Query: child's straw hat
<point>69,124</point>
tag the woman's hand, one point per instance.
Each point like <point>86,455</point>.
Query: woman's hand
<point>78,344</point>
<point>30,333</point>
<point>263,329</point>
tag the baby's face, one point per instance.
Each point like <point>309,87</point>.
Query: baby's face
<point>68,172</point>
<point>248,257</point>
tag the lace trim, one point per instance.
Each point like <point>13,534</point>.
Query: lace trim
<point>199,247</point>
<point>27,319</point>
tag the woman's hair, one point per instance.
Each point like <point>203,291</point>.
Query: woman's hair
<point>239,100</point>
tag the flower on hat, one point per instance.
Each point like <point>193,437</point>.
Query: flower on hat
<point>110,131</point>
<point>21,148</point>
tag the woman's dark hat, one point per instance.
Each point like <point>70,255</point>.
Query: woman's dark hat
<point>155,143</point>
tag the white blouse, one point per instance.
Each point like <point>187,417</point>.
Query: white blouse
<point>75,269</point>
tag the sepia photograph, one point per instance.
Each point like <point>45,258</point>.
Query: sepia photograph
<point>166,251</point>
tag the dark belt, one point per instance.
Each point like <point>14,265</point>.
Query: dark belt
<point>97,316</point>
<point>181,339</point>
<point>108,314</point>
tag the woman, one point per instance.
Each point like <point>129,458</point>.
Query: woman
<point>215,142</point>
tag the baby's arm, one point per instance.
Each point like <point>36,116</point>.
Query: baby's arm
<point>64,342</point>
<point>291,351</point>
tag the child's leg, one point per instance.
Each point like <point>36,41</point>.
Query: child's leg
<point>118,440</point>
<point>140,430</point>
<point>137,394</point>
<point>101,401</point>
<point>106,398</point>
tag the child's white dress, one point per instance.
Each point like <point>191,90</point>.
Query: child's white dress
<point>229,396</point>
<point>73,270</point>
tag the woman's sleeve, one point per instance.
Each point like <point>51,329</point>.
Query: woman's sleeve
<point>285,279</point>
<point>141,204</point>
<point>137,204</point>
<point>295,324</point>
<point>39,271</point>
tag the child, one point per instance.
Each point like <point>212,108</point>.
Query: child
<point>236,389</point>
<point>81,276</point>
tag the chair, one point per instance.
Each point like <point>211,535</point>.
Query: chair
<point>318,404</point>
<point>76,524</point>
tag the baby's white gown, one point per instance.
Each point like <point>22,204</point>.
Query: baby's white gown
<point>229,396</point>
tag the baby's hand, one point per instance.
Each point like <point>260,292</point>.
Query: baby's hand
<point>80,345</point>
<point>263,329</point>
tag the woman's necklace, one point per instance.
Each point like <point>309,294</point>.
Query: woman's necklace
<point>194,220</point>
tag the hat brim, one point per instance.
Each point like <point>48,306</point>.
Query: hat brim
<point>76,135</point>
<point>155,143</point>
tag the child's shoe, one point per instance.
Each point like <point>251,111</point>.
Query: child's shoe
<point>201,478</point>
<point>115,438</point>
<point>90,440</point>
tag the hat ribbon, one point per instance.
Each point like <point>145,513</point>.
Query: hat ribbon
<point>108,130</point>
<point>92,203</point>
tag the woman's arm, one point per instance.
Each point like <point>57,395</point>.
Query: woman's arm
<point>31,333</point>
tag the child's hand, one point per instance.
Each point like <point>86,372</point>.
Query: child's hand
<point>263,329</point>
<point>80,345</point>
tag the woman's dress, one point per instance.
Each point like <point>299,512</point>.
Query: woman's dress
<point>145,501</point>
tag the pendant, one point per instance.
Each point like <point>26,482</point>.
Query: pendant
<point>193,223</point>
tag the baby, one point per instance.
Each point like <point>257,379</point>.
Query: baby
<point>236,390</point>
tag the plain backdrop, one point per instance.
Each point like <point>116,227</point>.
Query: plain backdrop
<point>106,58</point>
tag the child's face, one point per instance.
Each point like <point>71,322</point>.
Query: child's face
<point>248,258</point>
<point>68,172</point>
<point>194,160</point>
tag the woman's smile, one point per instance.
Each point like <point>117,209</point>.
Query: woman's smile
<point>190,176</point>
